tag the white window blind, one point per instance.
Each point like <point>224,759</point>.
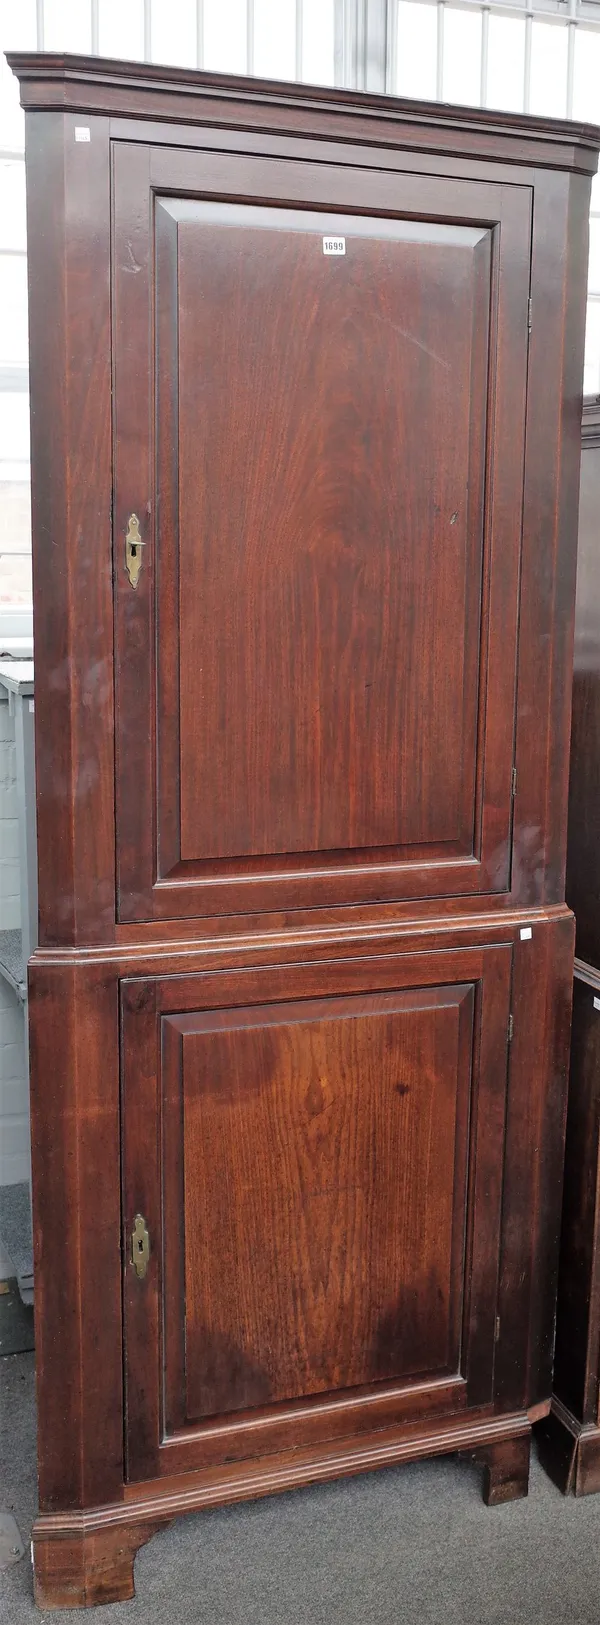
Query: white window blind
<point>515,55</point>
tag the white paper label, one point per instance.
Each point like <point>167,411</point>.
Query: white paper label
<point>596,1004</point>
<point>32,705</point>
<point>525,933</point>
<point>82,132</point>
<point>334,245</point>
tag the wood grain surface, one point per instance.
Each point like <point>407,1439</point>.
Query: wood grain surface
<point>317,672</point>
<point>302,996</point>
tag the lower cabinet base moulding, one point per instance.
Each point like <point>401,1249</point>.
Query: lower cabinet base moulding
<point>84,1558</point>
<point>570,1451</point>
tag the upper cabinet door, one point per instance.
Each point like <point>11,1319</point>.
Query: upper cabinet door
<point>319,400</point>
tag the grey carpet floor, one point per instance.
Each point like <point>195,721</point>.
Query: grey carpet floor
<point>412,1544</point>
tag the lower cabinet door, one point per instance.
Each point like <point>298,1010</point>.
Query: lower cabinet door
<point>313,1165</point>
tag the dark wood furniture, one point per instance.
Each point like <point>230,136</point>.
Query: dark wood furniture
<point>570,1435</point>
<point>306,381</point>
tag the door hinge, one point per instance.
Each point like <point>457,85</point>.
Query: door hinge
<point>529,313</point>
<point>513,788</point>
<point>140,1246</point>
<point>511,1028</point>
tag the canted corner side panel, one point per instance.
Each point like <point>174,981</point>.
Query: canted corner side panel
<point>577,1351</point>
<point>326,619</point>
<point>69,275</point>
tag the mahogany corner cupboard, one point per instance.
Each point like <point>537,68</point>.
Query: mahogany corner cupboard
<point>306,400</point>
<point>570,1436</point>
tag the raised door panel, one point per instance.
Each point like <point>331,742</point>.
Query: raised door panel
<point>325,1174</point>
<point>323,1155</point>
<point>328,659</point>
<point>322,637</point>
